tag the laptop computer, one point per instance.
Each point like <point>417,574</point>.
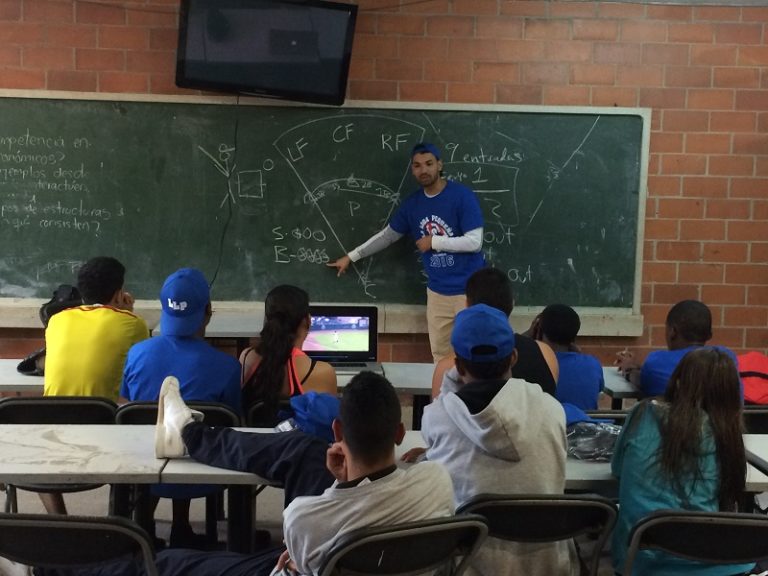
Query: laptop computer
<point>344,336</point>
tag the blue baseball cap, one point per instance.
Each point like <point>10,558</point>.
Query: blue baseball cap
<point>482,333</point>
<point>426,148</point>
<point>184,297</point>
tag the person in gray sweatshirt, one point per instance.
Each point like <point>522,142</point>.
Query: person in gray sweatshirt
<point>501,435</point>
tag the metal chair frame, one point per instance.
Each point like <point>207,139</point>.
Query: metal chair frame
<point>707,537</point>
<point>55,541</point>
<point>443,544</point>
<point>546,518</point>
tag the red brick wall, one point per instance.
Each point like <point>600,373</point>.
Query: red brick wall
<point>703,70</point>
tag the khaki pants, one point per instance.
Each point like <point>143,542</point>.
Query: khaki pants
<point>440,313</point>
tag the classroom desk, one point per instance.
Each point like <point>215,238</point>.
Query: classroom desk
<point>120,456</point>
<point>413,378</point>
<point>12,381</point>
<point>581,475</point>
<point>240,326</point>
<point>240,502</point>
<point>83,454</point>
<point>618,387</point>
<point>757,451</point>
<point>416,379</point>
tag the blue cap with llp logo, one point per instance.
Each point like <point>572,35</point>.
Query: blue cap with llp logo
<point>426,148</point>
<point>482,334</point>
<point>184,297</point>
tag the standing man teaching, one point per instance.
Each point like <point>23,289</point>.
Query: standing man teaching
<point>445,219</point>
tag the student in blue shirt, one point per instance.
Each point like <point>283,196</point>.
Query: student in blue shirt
<point>445,220</point>
<point>688,327</point>
<point>682,451</point>
<point>205,373</point>
<point>581,375</point>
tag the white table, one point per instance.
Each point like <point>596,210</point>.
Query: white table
<point>121,456</point>
<point>71,454</point>
<point>416,378</point>
<point>618,387</point>
<point>596,476</point>
<point>757,451</point>
<point>12,381</point>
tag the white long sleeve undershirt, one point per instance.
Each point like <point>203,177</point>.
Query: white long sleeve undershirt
<point>472,241</point>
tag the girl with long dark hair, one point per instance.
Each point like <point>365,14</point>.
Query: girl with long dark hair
<point>276,369</point>
<point>682,451</point>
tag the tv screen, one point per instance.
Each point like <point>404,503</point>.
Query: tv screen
<point>291,49</point>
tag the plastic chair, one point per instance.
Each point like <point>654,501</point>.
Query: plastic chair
<point>216,414</point>
<point>53,410</point>
<point>545,518</point>
<point>54,541</point>
<point>410,548</point>
<point>708,537</point>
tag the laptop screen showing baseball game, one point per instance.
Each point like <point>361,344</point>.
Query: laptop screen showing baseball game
<point>342,333</point>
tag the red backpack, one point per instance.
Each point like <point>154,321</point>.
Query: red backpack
<point>753,369</point>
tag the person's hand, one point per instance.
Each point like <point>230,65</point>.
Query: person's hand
<point>125,301</point>
<point>336,462</point>
<point>341,265</point>
<point>424,244</point>
<point>625,360</point>
<point>413,455</point>
<point>285,562</point>
<point>535,329</point>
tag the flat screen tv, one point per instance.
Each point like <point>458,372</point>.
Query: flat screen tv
<point>290,49</point>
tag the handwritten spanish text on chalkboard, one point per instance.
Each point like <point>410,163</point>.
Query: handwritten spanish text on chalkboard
<point>274,193</point>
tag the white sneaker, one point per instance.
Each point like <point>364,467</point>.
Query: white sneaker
<point>172,416</point>
<point>10,568</point>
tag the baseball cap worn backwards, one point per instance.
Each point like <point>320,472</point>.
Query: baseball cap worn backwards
<point>424,148</point>
<point>482,333</point>
<point>184,297</point>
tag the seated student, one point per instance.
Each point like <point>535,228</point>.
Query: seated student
<point>205,374</point>
<point>581,375</point>
<point>354,483</point>
<point>276,368</point>
<point>688,326</point>
<point>501,435</point>
<point>536,362</point>
<point>684,451</point>
<point>86,345</point>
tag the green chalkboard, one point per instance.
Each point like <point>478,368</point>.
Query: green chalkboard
<point>260,195</point>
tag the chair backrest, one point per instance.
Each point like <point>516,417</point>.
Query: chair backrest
<point>708,537</point>
<point>57,410</point>
<point>756,419</point>
<point>258,416</point>
<point>57,541</point>
<point>412,548</point>
<point>216,413</point>
<point>545,517</point>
